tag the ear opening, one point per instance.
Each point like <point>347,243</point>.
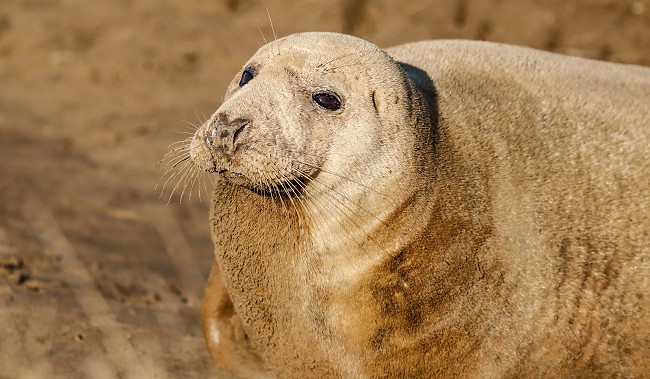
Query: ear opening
<point>374,101</point>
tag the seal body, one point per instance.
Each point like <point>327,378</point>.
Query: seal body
<point>438,209</point>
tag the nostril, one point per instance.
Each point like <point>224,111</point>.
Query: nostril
<point>238,131</point>
<point>225,133</point>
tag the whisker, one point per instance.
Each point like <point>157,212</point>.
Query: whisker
<point>193,125</point>
<point>180,169</point>
<point>176,147</point>
<point>200,175</point>
<point>285,209</point>
<point>184,132</point>
<point>201,122</point>
<point>350,211</point>
<point>267,184</point>
<point>296,188</point>
<point>186,183</point>
<point>268,181</point>
<point>170,169</point>
<point>275,37</point>
<point>180,159</point>
<point>262,34</point>
<point>326,207</point>
<point>179,147</point>
<point>293,193</point>
<point>188,180</point>
<point>347,178</point>
<point>176,150</point>
<point>180,179</point>
<point>325,64</point>
<point>274,188</point>
<point>185,141</point>
<point>201,180</point>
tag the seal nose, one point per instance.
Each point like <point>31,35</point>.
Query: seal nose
<point>224,133</point>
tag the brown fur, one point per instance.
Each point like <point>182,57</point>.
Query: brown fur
<point>473,210</point>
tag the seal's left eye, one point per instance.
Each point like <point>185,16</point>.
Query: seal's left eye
<point>246,77</point>
<point>327,100</point>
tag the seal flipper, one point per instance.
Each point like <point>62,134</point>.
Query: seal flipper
<point>222,329</point>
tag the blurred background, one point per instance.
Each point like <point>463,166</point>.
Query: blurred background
<point>98,277</point>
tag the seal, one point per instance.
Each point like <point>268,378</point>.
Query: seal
<point>437,209</point>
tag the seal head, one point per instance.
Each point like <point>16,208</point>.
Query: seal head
<point>293,103</point>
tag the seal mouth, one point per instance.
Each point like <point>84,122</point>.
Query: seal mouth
<point>289,188</point>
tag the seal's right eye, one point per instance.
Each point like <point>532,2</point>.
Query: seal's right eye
<point>246,77</point>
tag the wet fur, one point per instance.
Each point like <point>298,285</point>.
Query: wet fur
<point>491,219</point>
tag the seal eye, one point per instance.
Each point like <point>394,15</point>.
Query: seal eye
<point>246,77</point>
<point>327,100</point>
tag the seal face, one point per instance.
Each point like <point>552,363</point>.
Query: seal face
<point>438,209</point>
<point>258,138</point>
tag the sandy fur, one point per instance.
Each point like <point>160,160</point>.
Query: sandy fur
<point>473,210</point>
